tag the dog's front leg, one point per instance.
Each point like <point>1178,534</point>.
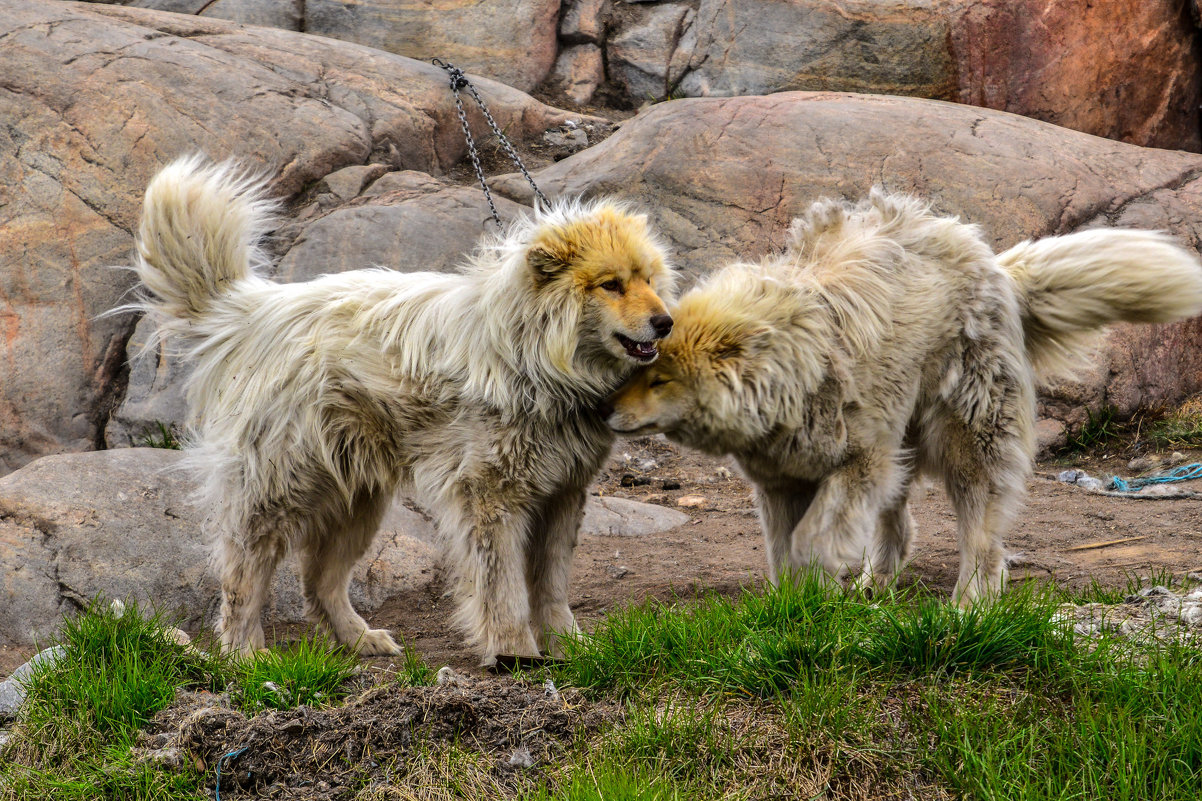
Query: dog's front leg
<point>782,504</point>
<point>895,533</point>
<point>486,531</point>
<point>837,529</point>
<point>549,567</point>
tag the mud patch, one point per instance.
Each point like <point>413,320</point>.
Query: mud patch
<point>374,739</point>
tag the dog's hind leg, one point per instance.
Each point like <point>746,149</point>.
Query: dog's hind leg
<point>327,557</point>
<point>486,529</point>
<point>549,567</point>
<point>782,505</point>
<point>246,567</point>
<point>838,528</point>
<point>982,516</point>
<point>986,489</point>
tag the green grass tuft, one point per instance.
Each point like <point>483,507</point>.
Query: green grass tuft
<point>161,436</point>
<point>117,671</point>
<point>83,711</point>
<point>766,643</point>
<point>1181,428</point>
<point>930,637</point>
<point>1099,430</point>
<point>311,672</point>
<point>414,672</point>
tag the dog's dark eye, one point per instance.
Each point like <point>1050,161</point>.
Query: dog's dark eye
<point>612,285</point>
<point>659,382</point>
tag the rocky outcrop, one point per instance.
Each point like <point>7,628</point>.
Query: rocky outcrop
<point>722,178</point>
<point>1056,60</point>
<point>1123,69</point>
<point>512,41</point>
<point>97,97</point>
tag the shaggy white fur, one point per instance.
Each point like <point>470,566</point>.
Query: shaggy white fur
<point>884,342</point>
<point>477,392</point>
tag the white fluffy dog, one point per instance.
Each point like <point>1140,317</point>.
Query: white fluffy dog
<point>887,341</point>
<point>312,403</point>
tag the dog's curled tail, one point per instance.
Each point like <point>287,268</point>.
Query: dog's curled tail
<point>1073,285</point>
<point>200,225</point>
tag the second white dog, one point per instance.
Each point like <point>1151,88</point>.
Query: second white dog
<point>887,341</point>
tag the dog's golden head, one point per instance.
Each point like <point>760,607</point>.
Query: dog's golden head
<point>606,258</point>
<point>697,392</point>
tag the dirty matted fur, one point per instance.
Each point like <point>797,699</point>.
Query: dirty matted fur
<point>477,392</point>
<point>887,341</point>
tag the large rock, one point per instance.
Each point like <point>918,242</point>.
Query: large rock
<point>119,523</point>
<point>722,178</point>
<point>96,98</point>
<point>645,57</point>
<point>622,517</point>
<point>1062,61</point>
<point>413,228</point>
<point>512,41</point>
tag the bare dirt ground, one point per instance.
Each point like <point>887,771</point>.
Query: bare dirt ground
<point>721,549</point>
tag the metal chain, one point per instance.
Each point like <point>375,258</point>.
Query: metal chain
<point>460,81</point>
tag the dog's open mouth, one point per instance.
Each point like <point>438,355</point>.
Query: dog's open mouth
<point>643,351</point>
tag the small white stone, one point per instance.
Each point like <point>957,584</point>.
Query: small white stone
<point>177,636</point>
<point>1191,614</point>
<point>276,690</point>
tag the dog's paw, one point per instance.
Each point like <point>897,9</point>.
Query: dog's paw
<point>377,642</point>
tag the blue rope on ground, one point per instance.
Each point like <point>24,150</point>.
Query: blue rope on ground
<point>1185,472</point>
<point>232,755</point>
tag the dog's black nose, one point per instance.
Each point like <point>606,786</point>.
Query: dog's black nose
<point>605,409</point>
<point>662,323</point>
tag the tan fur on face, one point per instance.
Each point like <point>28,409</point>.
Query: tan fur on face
<point>613,263</point>
<point>887,341</point>
<point>312,403</point>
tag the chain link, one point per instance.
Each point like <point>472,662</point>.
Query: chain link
<point>459,81</point>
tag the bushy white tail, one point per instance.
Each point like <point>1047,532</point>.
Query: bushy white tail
<point>200,226</point>
<point>1073,285</point>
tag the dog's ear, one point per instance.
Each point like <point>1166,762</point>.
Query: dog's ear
<point>741,340</point>
<point>735,349</point>
<point>551,252</point>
